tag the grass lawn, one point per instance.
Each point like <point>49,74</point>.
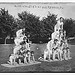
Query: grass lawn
<point>58,66</point>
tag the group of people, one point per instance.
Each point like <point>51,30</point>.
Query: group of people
<point>57,50</point>
<point>57,47</point>
<point>21,52</point>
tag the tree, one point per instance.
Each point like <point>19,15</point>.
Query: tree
<point>69,26</point>
<point>34,27</point>
<point>48,23</point>
<point>31,23</point>
<point>7,24</point>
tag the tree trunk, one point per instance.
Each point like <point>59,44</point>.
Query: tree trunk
<point>5,42</point>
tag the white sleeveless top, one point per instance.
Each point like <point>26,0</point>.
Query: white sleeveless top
<point>19,33</point>
<point>58,26</point>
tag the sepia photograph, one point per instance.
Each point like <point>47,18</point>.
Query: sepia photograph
<point>37,37</point>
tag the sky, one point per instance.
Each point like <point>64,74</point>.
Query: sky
<point>66,10</point>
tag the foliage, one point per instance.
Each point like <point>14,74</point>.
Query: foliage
<point>37,29</point>
<point>69,26</point>
<point>7,23</point>
<point>34,27</point>
<point>48,23</point>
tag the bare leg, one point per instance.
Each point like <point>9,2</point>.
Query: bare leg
<point>14,61</point>
<point>33,58</point>
<point>57,53</point>
<point>50,57</point>
<point>54,53</point>
<point>29,58</point>
<point>44,56</point>
<point>19,61</point>
<point>65,56</point>
<point>61,56</point>
<point>54,56</point>
<point>25,60</point>
<point>68,53</point>
<point>58,56</point>
<point>11,59</point>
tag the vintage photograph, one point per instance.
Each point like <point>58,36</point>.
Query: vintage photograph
<point>37,37</point>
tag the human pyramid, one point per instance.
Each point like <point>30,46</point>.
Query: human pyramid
<point>21,52</point>
<point>57,48</point>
